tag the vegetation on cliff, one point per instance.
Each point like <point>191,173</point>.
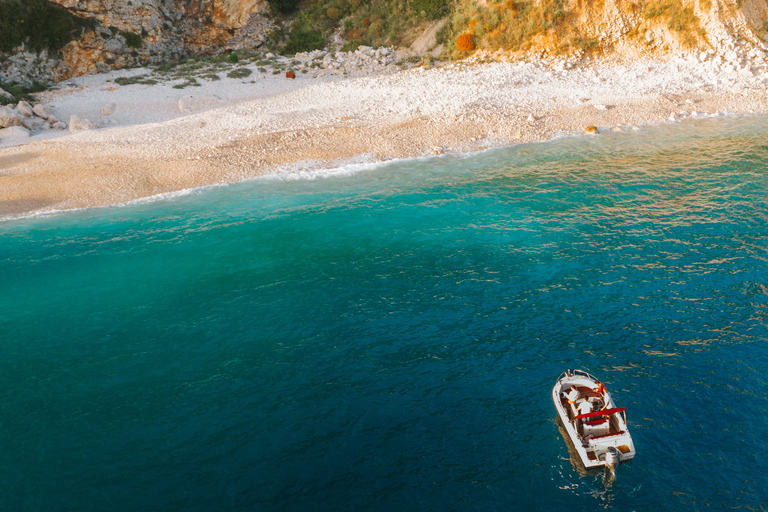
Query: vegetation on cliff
<point>360,22</point>
<point>558,26</point>
<point>38,24</point>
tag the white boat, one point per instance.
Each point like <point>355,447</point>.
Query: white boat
<point>596,426</point>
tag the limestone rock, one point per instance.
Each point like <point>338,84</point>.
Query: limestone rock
<point>14,131</point>
<point>25,109</point>
<point>59,125</point>
<point>9,117</point>
<point>115,46</point>
<point>32,123</point>
<point>76,124</point>
<point>591,130</point>
<point>108,109</point>
<point>41,110</point>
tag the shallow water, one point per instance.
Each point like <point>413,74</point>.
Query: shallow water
<point>386,338</point>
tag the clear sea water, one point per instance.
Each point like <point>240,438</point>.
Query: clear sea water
<point>387,338</point>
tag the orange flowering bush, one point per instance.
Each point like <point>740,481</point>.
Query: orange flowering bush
<point>465,43</point>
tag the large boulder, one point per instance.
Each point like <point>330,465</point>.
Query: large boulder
<point>76,124</point>
<point>25,109</point>
<point>33,123</point>
<point>41,110</point>
<point>9,117</point>
<point>14,131</point>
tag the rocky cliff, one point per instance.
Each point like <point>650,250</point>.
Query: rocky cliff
<point>133,32</point>
<point>122,33</point>
<point>628,28</point>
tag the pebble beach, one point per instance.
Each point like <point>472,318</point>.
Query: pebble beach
<point>131,142</point>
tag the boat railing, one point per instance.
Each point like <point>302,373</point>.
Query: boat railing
<point>573,373</point>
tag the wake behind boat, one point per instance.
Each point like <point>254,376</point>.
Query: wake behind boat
<point>597,428</point>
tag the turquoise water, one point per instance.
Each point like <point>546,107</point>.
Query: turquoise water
<point>387,339</point>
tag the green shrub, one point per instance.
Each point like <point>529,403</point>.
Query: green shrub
<point>233,57</point>
<point>283,6</point>
<point>132,40</point>
<point>138,79</point>
<point>433,9</point>
<point>39,24</point>
<point>22,93</point>
<point>304,40</point>
<point>239,73</point>
<point>189,81</point>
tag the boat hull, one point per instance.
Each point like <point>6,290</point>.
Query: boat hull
<point>593,440</point>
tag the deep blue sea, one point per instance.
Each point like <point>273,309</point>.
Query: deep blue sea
<point>387,337</point>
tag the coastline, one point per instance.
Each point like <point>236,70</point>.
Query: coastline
<point>278,125</point>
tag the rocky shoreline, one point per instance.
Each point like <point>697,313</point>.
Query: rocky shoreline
<point>342,108</point>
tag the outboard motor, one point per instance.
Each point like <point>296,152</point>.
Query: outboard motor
<point>612,458</point>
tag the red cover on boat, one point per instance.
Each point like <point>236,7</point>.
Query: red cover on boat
<point>606,412</point>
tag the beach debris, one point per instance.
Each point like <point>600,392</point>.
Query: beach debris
<point>14,131</point>
<point>531,119</point>
<point>591,130</point>
<point>601,107</point>
<point>9,117</point>
<point>108,109</point>
<point>77,124</point>
<point>290,74</point>
<point>25,109</point>
<point>438,150</point>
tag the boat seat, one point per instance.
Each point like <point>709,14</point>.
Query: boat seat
<point>598,427</point>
